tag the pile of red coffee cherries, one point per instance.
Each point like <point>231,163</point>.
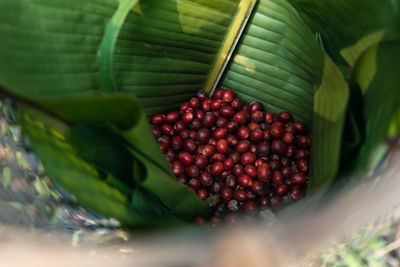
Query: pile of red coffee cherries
<point>235,156</point>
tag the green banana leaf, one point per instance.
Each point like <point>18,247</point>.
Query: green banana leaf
<point>351,31</point>
<point>163,50</point>
<point>279,63</point>
<point>74,174</point>
<point>53,135</point>
<point>62,55</point>
<point>376,74</point>
<point>348,27</point>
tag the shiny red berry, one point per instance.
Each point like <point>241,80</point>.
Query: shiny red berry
<point>221,122</point>
<point>229,163</point>
<point>189,145</point>
<point>172,117</point>
<point>209,150</point>
<point>256,136</point>
<point>258,162</point>
<point>225,174</point>
<point>222,146</point>
<point>263,172</point>
<point>184,106</point>
<point>215,104</point>
<point>227,111</point>
<point>232,140</point>
<point>238,169</point>
<point>303,141</point>
<point>282,189</point>
<point>200,161</point>
<point>276,132</point>
<point>194,103</point>
<point>205,106</point>
<point>177,168</point>
<point>176,142</point>
<point>255,106</point>
<point>226,193</point>
<point>288,138</point>
<point>185,158</point>
<point>300,127</point>
<point>209,119</point>
<point>299,178</point>
<point>202,95</point>
<point>217,168</point>
<point>268,118</point>
<point>242,146</point>
<point>245,180</point>
<point>243,132</point>
<point>257,116</point>
<point>203,135</point>
<point>296,192</point>
<point>202,193</point>
<point>167,129</point>
<point>241,117</point>
<point>158,119</point>
<point>179,126</point>
<point>251,170</point>
<point>302,165</point>
<point>240,195</point>
<point>248,158</point>
<point>237,103</point>
<point>277,178</point>
<point>192,171</point>
<point>258,188</point>
<point>199,115</point>
<point>219,133</point>
<point>206,179</point>
<point>231,126</point>
<point>194,183</point>
<point>284,116</point>
<point>218,93</point>
<point>187,117</point>
<point>286,172</point>
<point>228,95</point>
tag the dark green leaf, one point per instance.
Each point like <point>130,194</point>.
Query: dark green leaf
<point>104,149</point>
<point>279,63</point>
<point>177,197</point>
<point>330,106</point>
<point>64,166</point>
<point>107,46</point>
<point>121,110</point>
<point>349,27</point>
<point>376,74</point>
<point>164,52</point>
<point>150,206</point>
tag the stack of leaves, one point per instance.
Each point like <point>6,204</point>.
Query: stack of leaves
<point>85,73</point>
